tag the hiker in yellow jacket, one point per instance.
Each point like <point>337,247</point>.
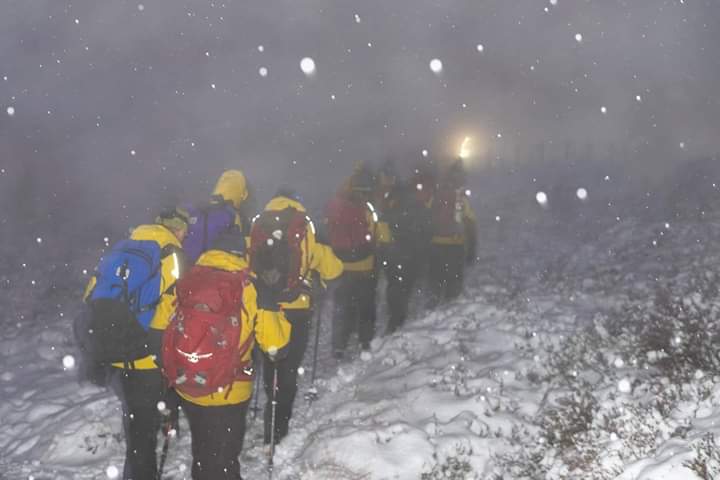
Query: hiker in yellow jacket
<point>453,241</point>
<point>352,224</point>
<point>217,420</point>
<point>310,259</point>
<point>139,384</point>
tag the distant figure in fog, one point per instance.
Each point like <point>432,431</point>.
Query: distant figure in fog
<point>404,236</point>
<point>351,227</point>
<point>225,209</point>
<point>453,243</point>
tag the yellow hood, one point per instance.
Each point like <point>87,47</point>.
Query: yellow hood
<point>281,203</point>
<point>232,186</point>
<point>161,234</point>
<point>222,260</point>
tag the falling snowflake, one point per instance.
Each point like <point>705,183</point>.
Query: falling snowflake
<point>357,18</point>
<point>497,218</point>
<point>11,111</point>
<point>68,362</point>
<point>541,198</point>
<point>307,65</point>
<point>39,240</point>
<point>624,385</point>
<point>133,152</point>
<point>301,371</point>
<point>582,194</point>
<point>603,110</point>
<point>436,66</point>
<point>424,153</point>
<point>141,7</point>
<point>112,472</point>
<point>638,98</point>
<point>480,47</point>
<point>578,37</point>
<point>553,2</point>
<point>263,71</point>
<point>261,48</point>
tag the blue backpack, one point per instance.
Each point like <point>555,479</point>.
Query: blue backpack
<point>122,303</point>
<point>206,223</point>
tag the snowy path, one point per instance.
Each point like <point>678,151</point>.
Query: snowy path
<point>453,388</point>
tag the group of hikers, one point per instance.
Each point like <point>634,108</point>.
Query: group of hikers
<point>184,311</point>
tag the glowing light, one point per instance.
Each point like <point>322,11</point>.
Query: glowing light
<point>465,150</point>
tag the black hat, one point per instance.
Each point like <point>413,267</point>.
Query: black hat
<point>362,181</point>
<point>231,241</point>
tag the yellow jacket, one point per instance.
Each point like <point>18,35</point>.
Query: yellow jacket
<point>271,329</point>
<point>169,272</point>
<point>468,219</point>
<point>316,256</point>
<point>232,187</point>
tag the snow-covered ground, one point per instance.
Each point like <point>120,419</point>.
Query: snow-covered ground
<point>522,377</point>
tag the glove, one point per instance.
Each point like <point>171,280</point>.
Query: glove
<point>154,338</point>
<point>267,299</point>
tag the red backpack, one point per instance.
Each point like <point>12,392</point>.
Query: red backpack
<point>201,348</point>
<point>348,229</point>
<point>276,251</point>
<point>447,213</point>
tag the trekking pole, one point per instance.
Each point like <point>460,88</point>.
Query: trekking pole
<point>170,421</point>
<point>257,363</point>
<point>271,453</point>
<point>163,456</point>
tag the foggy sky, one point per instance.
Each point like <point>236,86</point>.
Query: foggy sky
<point>92,81</point>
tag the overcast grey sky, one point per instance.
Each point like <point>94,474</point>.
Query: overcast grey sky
<point>124,103</point>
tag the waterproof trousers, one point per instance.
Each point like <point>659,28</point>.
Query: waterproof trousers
<point>354,310</point>
<point>217,439</point>
<point>139,392</point>
<point>402,275</point>
<point>445,273</point>
<point>287,369</point>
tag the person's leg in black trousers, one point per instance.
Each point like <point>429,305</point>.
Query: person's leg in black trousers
<point>436,276</point>
<point>454,270</point>
<point>139,391</point>
<point>364,299</point>
<point>217,440</point>
<point>401,278</point>
<point>343,314</point>
<point>287,374</point>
